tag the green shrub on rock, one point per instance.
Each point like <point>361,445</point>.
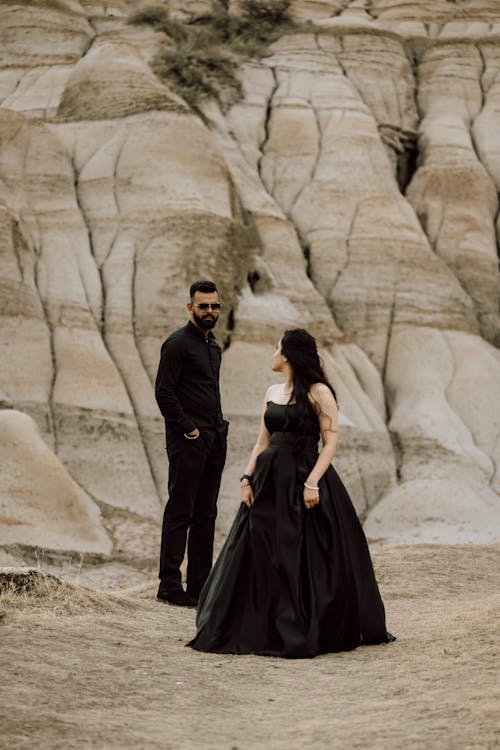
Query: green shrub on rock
<point>210,47</point>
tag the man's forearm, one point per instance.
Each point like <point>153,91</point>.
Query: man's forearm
<point>172,410</point>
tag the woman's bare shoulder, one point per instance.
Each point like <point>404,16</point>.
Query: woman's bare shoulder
<point>272,393</point>
<point>273,388</point>
<point>320,389</point>
<point>322,393</point>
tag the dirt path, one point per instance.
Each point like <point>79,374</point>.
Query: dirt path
<point>88,671</point>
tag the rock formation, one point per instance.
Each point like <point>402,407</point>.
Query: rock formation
<point>352,190</point>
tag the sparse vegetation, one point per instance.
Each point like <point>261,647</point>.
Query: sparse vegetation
<point>24,593</point>
<point>197,73</point>
<point>263,19</point>
<point>207,49</point>
<point>159,17</point>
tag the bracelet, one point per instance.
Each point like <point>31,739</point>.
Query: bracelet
<point>246,476</point>
<point>192,437</point>
<point>310,487</point>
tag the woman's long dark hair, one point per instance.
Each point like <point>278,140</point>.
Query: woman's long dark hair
<point>299,347</point>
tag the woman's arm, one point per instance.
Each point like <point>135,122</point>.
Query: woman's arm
<point>326,408</point>
<point>260,445</point>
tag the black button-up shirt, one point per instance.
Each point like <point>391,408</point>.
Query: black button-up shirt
<point>187,384</point>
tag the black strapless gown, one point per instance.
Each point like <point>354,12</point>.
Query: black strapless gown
<point>289,581</point>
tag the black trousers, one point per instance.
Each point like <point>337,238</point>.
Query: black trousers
<point>193,486</point>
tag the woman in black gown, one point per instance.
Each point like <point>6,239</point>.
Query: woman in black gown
<point>294,577</point>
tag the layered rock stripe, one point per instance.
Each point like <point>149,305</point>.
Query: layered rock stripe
<point>352,190</point>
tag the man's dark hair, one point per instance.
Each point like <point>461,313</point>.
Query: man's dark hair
<point>202,286</point>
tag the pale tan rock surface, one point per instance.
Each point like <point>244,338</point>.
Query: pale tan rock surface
<point>43,33</point>
<point>452,192</point>
<point>91,421</point>
<point>112,81</point>
<point>351,190</point>
<point>40,504</point>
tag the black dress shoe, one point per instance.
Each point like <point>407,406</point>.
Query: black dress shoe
<point>179,598</point>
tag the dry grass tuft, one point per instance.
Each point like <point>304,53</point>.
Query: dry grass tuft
<point>33,591</point>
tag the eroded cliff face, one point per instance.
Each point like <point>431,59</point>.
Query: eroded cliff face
<point>353,190</point>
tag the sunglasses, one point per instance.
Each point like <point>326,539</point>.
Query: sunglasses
<point>206,305</point>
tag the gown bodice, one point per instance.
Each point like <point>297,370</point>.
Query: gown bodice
<point>284,418</point>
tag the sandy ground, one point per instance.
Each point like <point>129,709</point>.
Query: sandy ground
<point>86,669</point>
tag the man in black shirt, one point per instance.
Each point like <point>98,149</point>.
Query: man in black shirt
<point>187,392</point>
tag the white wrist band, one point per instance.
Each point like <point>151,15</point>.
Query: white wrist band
<point>310,487</point>
<point>192,437</point>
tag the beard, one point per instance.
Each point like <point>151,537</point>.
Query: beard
<point>206,322</point>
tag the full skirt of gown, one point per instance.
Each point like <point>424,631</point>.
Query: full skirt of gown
<point>289,581</point>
